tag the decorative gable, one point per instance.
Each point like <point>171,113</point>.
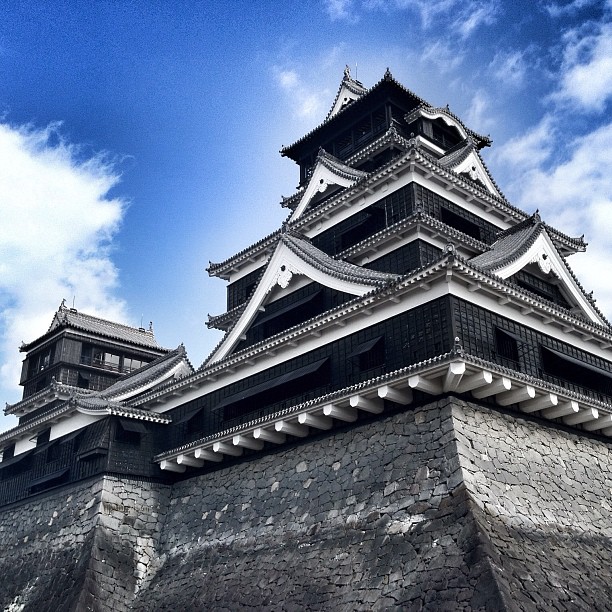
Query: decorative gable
<point>296,258</point>
<point>528,244</point>
<point>350,90</point>
<point>327,171</point>
<point>472,166</point>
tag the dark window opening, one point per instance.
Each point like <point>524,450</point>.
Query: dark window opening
<point>129,432</point>
<point>545,289</point>
<point>83,381</point>
<point>370,354</point>
<point>50,480</point>
<point>506,345</point>
<point>40,384</point>
<point>279,389</point>
<point>459,223</point>
<point>372,222</point>
<point>8,452</point>
<point>54,452</point>
<point>284,317</point>
<point>16,465</point>
<point>574,371</point>
<point>43,437</point>
<point>40,361</point>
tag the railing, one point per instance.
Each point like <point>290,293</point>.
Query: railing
<point>99,363</point>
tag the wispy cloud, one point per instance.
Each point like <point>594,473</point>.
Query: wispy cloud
<point>510,68</point>
<point>341,10</point>
<point>462,16</point>
<point>554,9</point>
<point>57,226</point>
<point>530,150</point>
<point>307,102</point>
<point>474,15</point>
<point>574,192</point>
<point>478,116</point>
<point>586,71</point>
<point>443,55</point>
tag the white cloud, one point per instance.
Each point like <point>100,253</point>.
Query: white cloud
<point>55,236</point>
<point>478,116</point>
<point>341,10</point>
<point>509,68</point>
<point>463,16</point>
<point>558,10</point>
<point>443,55</point>
<point>474,15</point>
<point>573,195</point>
<point>307,102</point>
<point>586,71</point>
<point>529,150</point>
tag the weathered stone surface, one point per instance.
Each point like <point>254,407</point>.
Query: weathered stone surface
<point>448,506</point>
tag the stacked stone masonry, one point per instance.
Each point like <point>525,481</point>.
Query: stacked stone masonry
<point>448,506</point>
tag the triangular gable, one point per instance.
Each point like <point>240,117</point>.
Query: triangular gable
<point>473,167</point>
<point>327,171</point>
<point>349,91</point>
<point>293,258</point>
<point>530,243</point>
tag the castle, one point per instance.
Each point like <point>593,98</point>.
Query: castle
<point>411,407</point>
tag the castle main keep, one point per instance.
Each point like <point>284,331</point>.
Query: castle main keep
<point>410,408</point>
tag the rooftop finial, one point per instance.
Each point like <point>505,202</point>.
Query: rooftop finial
<point>347,72</point>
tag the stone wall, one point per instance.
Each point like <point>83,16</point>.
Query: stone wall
<point>544,501</point>
<point>447,506</point>
<point>87,547</point>
<point>375,517</point>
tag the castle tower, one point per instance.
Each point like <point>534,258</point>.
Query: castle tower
<point>410,408</point>
<point>401,274</point>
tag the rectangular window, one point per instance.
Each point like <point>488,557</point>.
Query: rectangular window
<point>108,361</point>
<point>506,345</point>
<point>571,370</point>
<point>459,223</point>
<point>130,364</point>
<point>8,452</point>
<point>43,437</point>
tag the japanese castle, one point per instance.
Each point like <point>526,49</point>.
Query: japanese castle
<point>401,274</point>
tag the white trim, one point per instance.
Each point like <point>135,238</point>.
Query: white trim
<point>281,269</point>
<point>345,95</point>
<point>460,373</point>
<point>473,166</point>
<point>458,284</point>
<point>544,253</point>
<point>320,180</point>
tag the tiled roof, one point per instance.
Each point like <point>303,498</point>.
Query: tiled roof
<point>387,78</point>
<point>482,141</point>
<point>510,244</point>
<point>457,154</point>
<point>71,318</point>
<point>449,260</point>
<point>153,371</point>
<point>266,243</point>
<point>515,242</point>
<point>335,267</point>
<point>352,85</point>
<point>334,165</point>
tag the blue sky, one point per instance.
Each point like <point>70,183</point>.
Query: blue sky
<point>139,140</point>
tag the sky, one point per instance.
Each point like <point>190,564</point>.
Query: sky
<point>139,140</point>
